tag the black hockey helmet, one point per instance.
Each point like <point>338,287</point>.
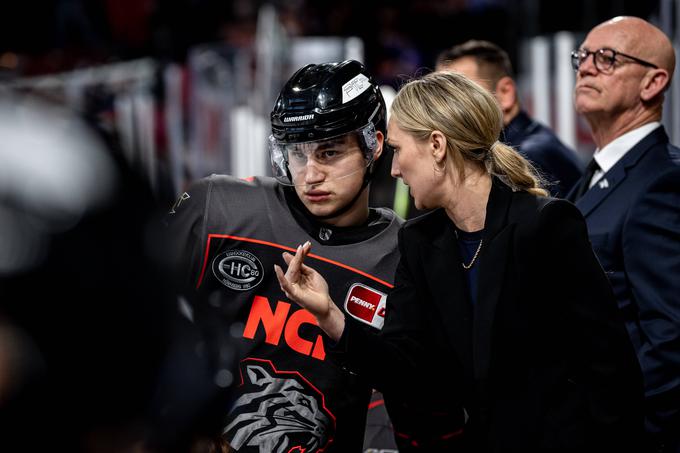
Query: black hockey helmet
<point>322,102</point>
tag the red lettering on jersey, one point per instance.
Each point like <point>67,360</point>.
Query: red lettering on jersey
<point>291,333</point>
<point>273,323</point>
<point>277,322</point>
<point>319,352</point>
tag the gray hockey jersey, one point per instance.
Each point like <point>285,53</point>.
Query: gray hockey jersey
<point>286,395</point>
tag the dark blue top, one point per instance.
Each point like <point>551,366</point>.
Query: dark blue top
<point>468,244</point>
<point>558,164</point>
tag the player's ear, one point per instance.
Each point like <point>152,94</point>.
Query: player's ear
<point>380,137</point>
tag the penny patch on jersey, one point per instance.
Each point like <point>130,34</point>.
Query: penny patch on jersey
<point>366,304</point>
<point>238,270</point>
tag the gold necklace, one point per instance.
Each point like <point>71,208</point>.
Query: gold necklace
<point>479,247</point>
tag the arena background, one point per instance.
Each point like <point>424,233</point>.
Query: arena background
<point>186,85</point>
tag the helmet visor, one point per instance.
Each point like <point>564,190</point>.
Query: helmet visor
<point>338,157</point>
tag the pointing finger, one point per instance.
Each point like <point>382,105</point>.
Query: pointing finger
<point>294,265</point>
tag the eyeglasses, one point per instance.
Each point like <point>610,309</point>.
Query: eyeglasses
<point>604,59</point>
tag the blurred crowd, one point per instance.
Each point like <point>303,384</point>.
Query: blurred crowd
<point>40,37</point>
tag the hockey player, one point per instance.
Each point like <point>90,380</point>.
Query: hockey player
<point>285,394</point>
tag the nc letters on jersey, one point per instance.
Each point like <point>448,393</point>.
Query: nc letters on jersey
<point>281,322</point>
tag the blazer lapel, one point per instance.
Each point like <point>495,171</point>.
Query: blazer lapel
<point>449,289</point>
<point>493,264</point>
<point>608,182</point>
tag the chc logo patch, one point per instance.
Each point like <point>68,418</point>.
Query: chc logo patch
<point>366,304</point>
<point>238,269</point>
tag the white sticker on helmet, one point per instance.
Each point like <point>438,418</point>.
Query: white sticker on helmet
<point>357,85</point>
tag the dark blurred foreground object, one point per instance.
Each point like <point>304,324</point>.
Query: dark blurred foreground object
<point>87,316</point>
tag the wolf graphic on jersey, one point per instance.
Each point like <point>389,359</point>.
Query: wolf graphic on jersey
<point>278,412</point>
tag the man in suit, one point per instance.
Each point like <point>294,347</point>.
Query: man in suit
<point>631,200</point>
<point>489,65</point>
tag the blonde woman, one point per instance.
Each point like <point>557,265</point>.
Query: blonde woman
<point>500,311</point>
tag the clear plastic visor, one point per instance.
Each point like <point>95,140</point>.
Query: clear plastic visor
<point>338,157</point>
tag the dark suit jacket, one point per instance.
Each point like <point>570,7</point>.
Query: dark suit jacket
<point>633,217</point>
<point>557,163</point>
<point>542,362</point>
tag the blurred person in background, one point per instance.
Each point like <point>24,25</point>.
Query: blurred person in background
<point>328,130</point>
<point>85,308</point>
<point>501,317</point>
<point>489,65</point>
<point>630,197</point>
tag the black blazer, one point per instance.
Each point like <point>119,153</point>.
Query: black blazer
<point>541,362</point>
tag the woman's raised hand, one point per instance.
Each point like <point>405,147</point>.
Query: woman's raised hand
<point>306,287</point>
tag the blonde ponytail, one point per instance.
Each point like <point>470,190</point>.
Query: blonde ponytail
<point>513,169</point>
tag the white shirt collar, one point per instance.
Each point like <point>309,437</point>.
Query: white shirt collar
<point>608,156</point>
